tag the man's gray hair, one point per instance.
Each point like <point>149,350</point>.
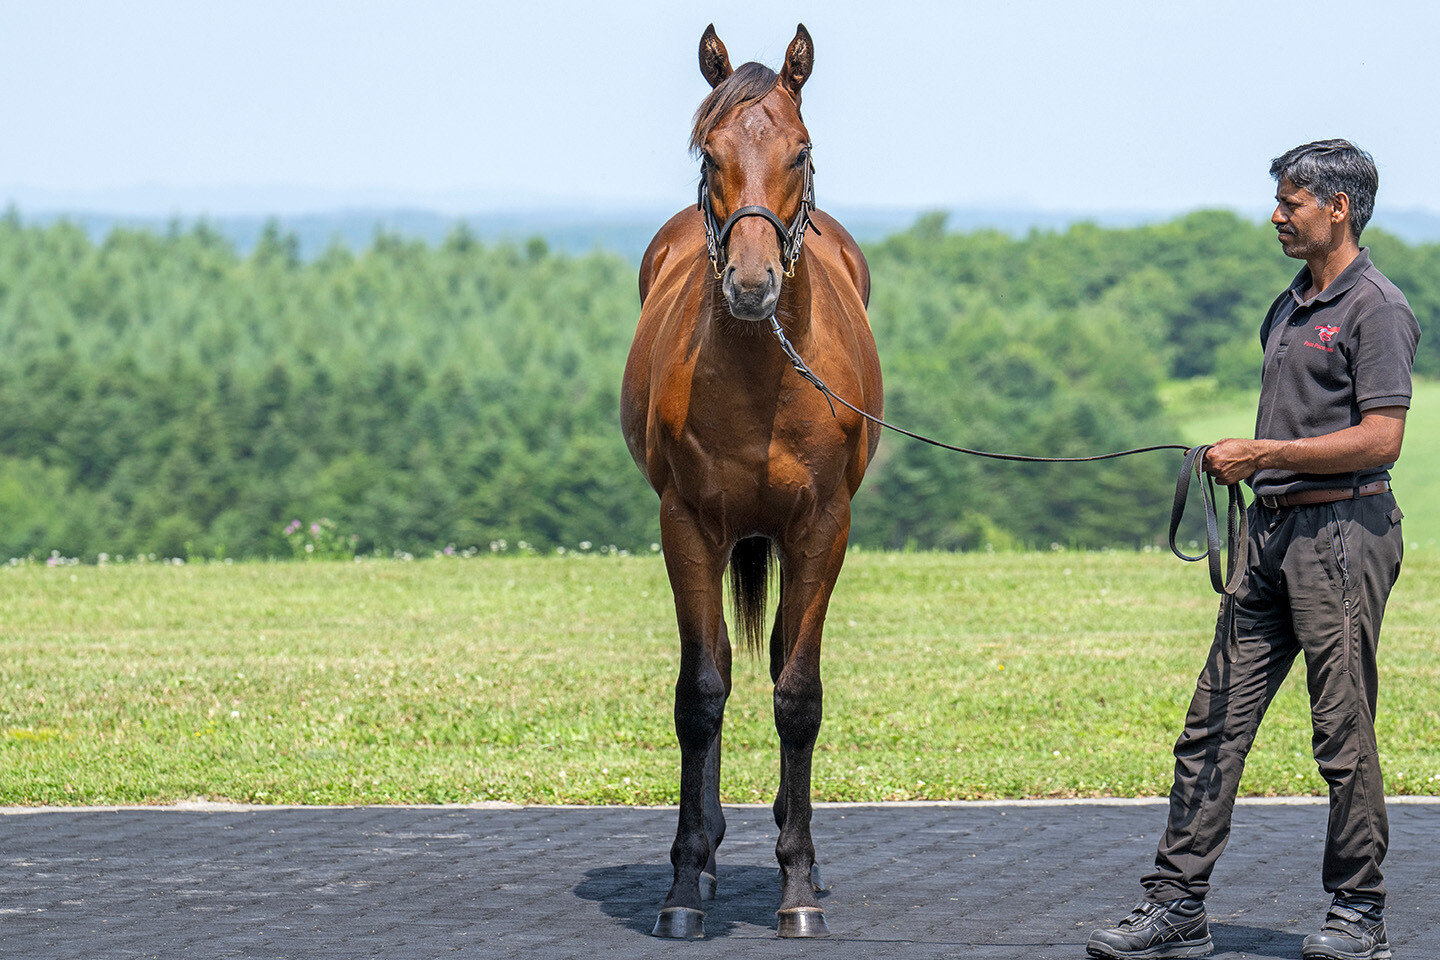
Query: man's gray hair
<point>1328,167</point>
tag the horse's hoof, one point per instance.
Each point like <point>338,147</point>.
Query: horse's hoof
<point>707,886</point>
<point>680,923</point>
<point>803,922</point>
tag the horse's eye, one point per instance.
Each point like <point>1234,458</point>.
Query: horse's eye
<point>803,157</point>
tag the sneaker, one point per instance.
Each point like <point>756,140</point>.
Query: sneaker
<point>1152,931</point>
<point>1352,931</point>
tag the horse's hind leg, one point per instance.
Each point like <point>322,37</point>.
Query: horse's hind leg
<point>694,566</point>
<point>814,562</point>
<point>778,654</point>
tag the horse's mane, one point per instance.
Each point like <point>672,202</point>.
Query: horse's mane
<point>751,82</point>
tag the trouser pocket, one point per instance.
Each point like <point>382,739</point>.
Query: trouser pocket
<point>1342,560</point>
<point>1347,635</point>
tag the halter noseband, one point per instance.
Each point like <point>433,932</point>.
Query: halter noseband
<point>792,237</point>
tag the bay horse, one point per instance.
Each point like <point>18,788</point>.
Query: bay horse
<point>753,468</point>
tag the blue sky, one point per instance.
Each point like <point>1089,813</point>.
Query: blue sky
<point>183,107</point>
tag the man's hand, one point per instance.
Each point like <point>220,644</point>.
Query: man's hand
<point>1373,442</point>
<point>1233,459</point>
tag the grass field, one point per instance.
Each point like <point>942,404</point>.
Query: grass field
<point>546,680</point>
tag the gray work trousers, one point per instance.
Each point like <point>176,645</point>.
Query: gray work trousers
<point>1316,581</point>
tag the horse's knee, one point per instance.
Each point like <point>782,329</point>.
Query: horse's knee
<point>798,707</point>
<point>699,706</point>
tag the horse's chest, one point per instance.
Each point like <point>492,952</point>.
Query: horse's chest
<point>757,476</point>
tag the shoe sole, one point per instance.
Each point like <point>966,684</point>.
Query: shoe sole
<point>1379,953</point>
<point>1164,951</point>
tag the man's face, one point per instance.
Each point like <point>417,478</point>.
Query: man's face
<point>1304,226</point>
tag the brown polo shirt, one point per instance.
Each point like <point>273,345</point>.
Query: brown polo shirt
<point>1329,359</point>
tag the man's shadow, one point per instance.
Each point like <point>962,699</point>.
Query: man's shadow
<point>1250,941</point>
<point>633,894</point>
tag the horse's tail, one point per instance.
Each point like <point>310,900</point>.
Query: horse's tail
<point>751,563</point>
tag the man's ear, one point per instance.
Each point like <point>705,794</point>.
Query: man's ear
<point>1340,207</point>
<point>1340,213</point>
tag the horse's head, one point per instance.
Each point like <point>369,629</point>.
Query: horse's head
<point>755,183</point>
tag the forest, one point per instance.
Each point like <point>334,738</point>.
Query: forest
<point>162,394</point>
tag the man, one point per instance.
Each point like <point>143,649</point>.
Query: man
<point>1323,552</point>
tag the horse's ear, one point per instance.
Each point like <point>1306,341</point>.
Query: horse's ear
<point>799,61</point>
<point>714,61</point>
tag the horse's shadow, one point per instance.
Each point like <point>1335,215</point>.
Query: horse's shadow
<point>634,892</point>
<point>748,897</point>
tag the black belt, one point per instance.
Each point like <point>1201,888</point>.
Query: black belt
<point>1302,498</point>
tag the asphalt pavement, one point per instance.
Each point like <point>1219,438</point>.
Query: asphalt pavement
<point>972,880</point>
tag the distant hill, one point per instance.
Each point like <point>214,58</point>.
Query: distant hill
<point>624,233</point>
<point>1412,226</point>
<point>356,229</point>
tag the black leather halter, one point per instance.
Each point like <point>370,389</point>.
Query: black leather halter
<point>792,237</point>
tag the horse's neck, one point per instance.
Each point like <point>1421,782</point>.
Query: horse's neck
<point>796,301</point>
<point>746,348</point>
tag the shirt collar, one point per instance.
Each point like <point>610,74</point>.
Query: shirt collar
<point>1339,285</point>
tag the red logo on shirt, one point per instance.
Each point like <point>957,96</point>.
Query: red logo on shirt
<point>1326,335</point>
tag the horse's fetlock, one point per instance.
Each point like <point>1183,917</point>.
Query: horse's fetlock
<point>797,862</point>
<point>690,850</point>
<point>795,852</point>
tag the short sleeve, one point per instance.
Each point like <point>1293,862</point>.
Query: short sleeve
<point>1382,354</point>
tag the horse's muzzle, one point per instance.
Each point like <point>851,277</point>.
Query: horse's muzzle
<point>751,301</point>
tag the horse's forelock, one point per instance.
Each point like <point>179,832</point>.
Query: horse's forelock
<point>750,82</point>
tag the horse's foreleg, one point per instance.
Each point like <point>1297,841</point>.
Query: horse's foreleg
<point>714,813</point>
<point>814,560</point>
<point>700,691</point>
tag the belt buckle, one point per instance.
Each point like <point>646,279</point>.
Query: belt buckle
<point>1272,503</point>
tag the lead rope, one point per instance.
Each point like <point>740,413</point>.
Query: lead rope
<point>1237,527</point>
<point>1237,539</point>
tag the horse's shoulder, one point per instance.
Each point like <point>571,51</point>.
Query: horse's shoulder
<point>851,258</point>
<point>680,234</point>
